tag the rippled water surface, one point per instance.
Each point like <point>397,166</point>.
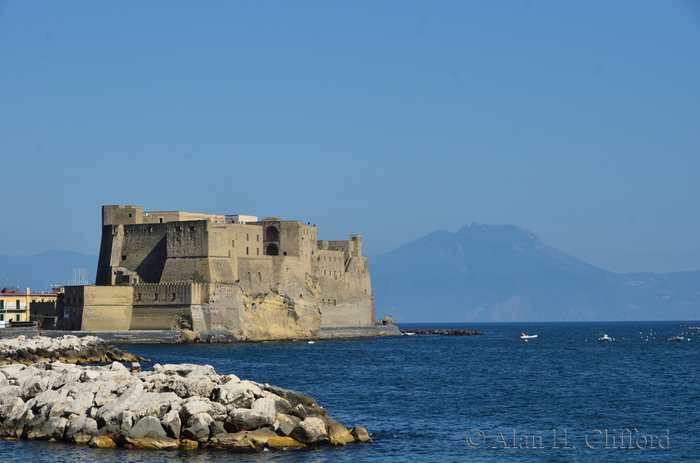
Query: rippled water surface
<point>444,398</point>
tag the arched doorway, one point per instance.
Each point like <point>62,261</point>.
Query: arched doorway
<point>272,250</point>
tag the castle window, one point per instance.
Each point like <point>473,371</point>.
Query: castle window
<point>193,228</point>
<point>160,219</point>
<point>334,303</point>
<point>155,296</point>
<point>129,215</point>
<point>272,234</point>
<point>233,243</point>
<point>173,297</point>
<point>259,276</point>
<point>123,257</point>
<point>246,237</point>
<point>246,251</point>
<point>138,297</point>
<point>257,237</point>
<point>257,251</point>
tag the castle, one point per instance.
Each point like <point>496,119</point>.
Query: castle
<point>267,279</point>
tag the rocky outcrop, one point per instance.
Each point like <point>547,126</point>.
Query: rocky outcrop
<point>172,406</point>
<point>288,311</point>
<point>66,349</point>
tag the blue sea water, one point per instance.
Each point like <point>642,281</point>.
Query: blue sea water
<point>475,398</point>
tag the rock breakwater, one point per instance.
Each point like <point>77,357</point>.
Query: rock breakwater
<point>66,349</point>
<point>442,332</point>
<point>170,407</point>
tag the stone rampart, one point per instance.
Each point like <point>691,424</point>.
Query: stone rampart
<point>206,274</point>
<point>358,332</point>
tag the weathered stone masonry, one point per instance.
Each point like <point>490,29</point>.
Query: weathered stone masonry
<point>268,279</point>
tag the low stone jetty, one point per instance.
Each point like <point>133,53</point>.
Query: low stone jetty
<point>442,332</point>
<point>66,349</point>
<point>172,406</point>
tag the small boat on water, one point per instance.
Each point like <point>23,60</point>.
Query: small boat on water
<point>605,338</point>
<point>675,338</point>
<point>528,336</point>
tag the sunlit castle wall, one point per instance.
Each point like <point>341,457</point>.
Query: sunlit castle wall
<point>270,279</point>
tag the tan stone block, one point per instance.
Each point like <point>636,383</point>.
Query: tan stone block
<point>280,442</point>
<point>187,444</point>
<point>102,442</point>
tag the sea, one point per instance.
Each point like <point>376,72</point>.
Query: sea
<point>563,396</point>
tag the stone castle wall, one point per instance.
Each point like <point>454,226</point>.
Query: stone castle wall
<point>265,280</point>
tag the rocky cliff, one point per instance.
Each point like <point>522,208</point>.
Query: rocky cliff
<point>291,312</point>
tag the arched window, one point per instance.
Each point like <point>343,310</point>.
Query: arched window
<point>272,250</point>
<point>272,234</point>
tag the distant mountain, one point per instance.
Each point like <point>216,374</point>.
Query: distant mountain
<point>42,270</point>
<point>504,273</point>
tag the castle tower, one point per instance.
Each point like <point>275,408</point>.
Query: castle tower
<point>356,245</point>
<point>113,215</point>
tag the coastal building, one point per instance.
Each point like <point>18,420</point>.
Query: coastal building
<point>261,279</point>
<point>15,305</point>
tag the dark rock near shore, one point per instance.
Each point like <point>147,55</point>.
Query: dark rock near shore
<point>66,349</point>
<point>442,332</point>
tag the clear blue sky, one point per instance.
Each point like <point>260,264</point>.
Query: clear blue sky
<point>576,120</point>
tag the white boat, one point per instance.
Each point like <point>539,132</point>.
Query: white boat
<point>528,336</point>
<point>675,338</point>
<point>311,342</point>
<point>606,338</point>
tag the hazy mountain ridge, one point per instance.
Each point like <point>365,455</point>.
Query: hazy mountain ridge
<point>505,273</point>
<point>479,273</point>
